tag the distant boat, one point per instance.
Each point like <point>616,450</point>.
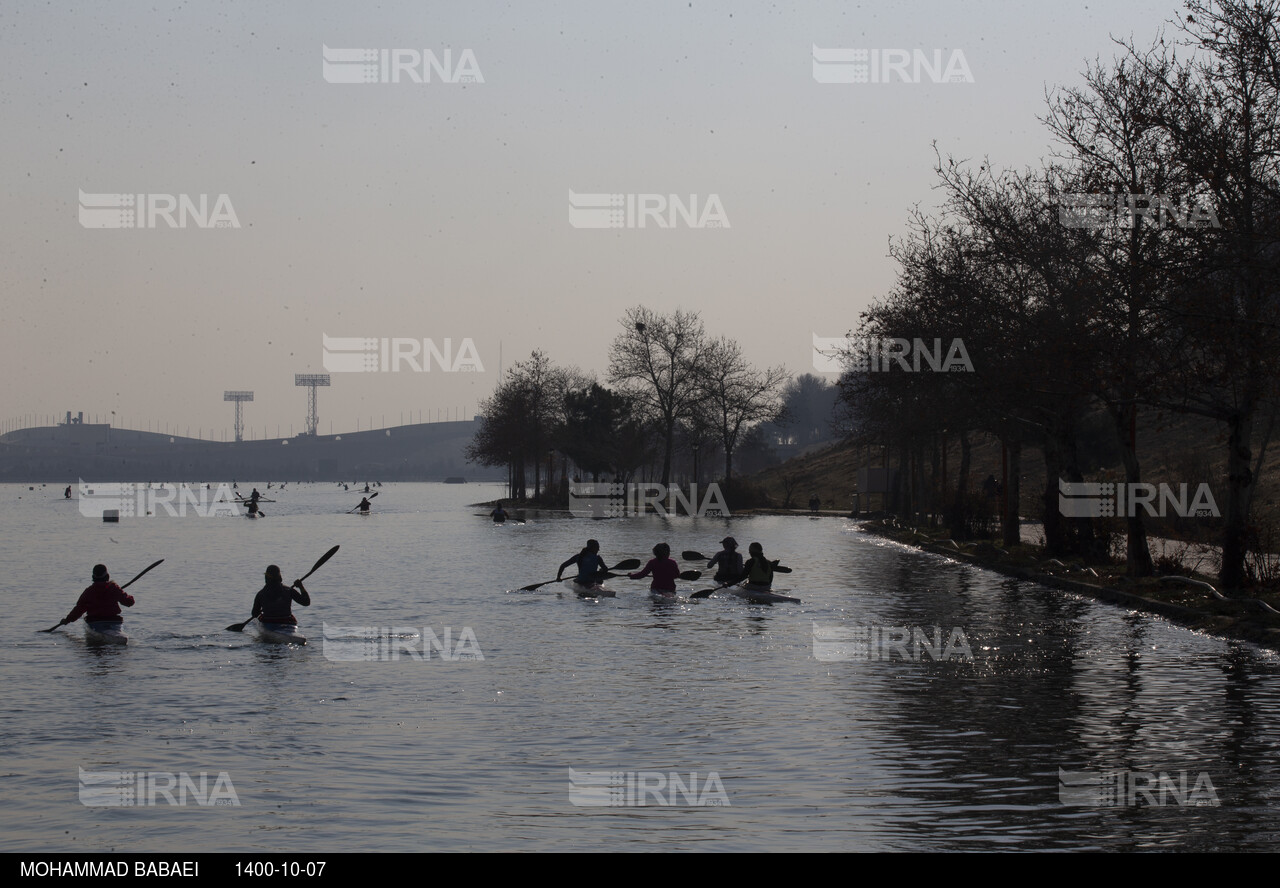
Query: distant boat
<point>455,479</point>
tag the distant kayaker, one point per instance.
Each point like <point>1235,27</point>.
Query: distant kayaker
<point>591,567</point>
<point>728,562</point>
<point>255,496</point>
<point>759,570</point>
<point>100,603</point>
<point>364,505</point>
<point>252,506</point>
<point>274,602</point>
<point>67,492</point>
<point>366,487</point>
<point>499,514</point>
<point>663,568</point>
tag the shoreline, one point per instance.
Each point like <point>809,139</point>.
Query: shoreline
<point>1187,601</point>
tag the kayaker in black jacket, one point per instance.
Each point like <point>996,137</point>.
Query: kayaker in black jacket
<point>274,601</point>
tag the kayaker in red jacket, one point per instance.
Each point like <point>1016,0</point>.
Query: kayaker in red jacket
<point>663,568</point>
<point>274,601</point>
<point>100,603</point>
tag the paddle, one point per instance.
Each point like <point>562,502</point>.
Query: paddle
<point>239,627</point>
<point>698,556</point>
<point>122,588</point>
<point>629,564</point>
<point>704,593</point>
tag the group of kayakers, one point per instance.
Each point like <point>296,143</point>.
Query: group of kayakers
<point>730,567</point>
<point>100,602</point>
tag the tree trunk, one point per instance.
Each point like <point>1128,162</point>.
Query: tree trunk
<point>1055,542</point>
<point>962,489</point>
<point>1012,495</point>
<point>1240,482</point>
<point>1138,558</point>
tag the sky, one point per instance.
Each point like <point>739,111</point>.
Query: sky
<point>462,201</point>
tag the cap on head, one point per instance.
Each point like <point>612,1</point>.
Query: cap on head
<point>273,572</point>
<point>662,550</point>
<point>730,542</point>
<point>100,574</point>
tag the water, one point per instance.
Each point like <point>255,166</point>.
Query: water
<point>418,755</point>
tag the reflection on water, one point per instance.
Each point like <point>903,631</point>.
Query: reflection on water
<point>897,751</point>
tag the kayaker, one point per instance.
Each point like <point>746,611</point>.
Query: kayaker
<point>663,568</point>
<point>728,562</point>
<point>499,514</point>
<point>758,570</point>
<point>364,505</point>
<point>100,603</point>
<point>67,493</point>
<point>591,567</point>
<point>274,601</point>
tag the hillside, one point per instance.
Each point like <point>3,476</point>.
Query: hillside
<point>1173,449</point>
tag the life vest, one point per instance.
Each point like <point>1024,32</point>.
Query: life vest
<point>761,573</point>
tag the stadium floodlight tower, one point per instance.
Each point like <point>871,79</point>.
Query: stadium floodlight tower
<point>239,398</point>
<point>311,381</point>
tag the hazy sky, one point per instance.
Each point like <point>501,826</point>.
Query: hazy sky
<point>434,210</point>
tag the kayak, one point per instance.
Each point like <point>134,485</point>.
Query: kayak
<point>280,633</point>
<point>595,590</point>
<point>664,597</point>
<point>761,594</point>
<point>105,633</point>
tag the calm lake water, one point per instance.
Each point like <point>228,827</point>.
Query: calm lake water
<point>803,727</point>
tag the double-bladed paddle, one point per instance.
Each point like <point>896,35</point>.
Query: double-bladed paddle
<point>239,627</point>
<point>629,564</point>
<point>122,588</point>
<point>705,593</point>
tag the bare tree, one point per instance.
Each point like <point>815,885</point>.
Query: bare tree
<point>737,395</point>
<point>655,359</point>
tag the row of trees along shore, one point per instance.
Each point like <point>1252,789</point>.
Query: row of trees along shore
<point>1170,306</point>
<point>676,400</point>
